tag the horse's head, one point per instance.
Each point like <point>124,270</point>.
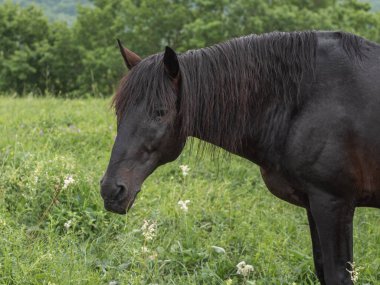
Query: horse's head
<point>148,126</point>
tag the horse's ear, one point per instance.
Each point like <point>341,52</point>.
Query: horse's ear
<point>130,58</point>
<point>171,63</point>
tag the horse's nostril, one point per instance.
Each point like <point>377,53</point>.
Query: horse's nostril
<point>110,190</point>
<point>120,192</point>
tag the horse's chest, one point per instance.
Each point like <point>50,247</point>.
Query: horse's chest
<point>278,185</point>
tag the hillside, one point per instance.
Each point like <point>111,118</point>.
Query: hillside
<point>375,5</point>
<point>56,9</point>
<point>66,9</point>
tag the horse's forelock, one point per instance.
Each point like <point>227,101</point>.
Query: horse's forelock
<point>145,82</point>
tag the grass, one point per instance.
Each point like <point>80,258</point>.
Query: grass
<point>51,235</point>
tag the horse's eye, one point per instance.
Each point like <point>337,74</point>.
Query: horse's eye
<point>159,113</point>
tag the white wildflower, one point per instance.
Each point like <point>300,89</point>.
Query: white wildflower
<point>144,249</point>
<point>68,224</point>
<point>149,230</point>
<point>68,180</point>
<point>185,169</point>
<point>244,269</point>
<point>183,205</point>
<point>354,272</point>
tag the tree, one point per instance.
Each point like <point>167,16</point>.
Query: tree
<point>23,36</point>
<point>62,61</point>
<point>96,31</point>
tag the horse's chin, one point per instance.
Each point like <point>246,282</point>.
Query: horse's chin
<point>115,208</point>
<point>121,206</point>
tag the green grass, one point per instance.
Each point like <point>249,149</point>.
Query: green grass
<point>43,141</point>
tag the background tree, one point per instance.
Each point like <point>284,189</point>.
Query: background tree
<point>23,38</point>
<point>95,32</point>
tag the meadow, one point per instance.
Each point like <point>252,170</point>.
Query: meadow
<point>54,230</point>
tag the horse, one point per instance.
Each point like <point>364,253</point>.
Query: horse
<point>303,106</point>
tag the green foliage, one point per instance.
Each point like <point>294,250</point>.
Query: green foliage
<point>54,234</point>
<point>36,55</point>
<point>82,58</point>
<point>21,47</point>
<point>63,59</point>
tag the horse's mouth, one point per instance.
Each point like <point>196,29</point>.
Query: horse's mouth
<point>115,208</point>
<point>121,206</point>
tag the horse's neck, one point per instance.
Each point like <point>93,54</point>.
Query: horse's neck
<point>263,138</point>
<point>242,108</point>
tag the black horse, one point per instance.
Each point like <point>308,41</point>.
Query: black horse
<point>304,106</point>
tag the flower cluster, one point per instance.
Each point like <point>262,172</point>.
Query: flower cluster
<point>149,230</point>
<point>185,169</point>
<point>244,269</point>
<point>183,205</point>
<point>68,180</point>
<point>354,272</point>
<point>68,224</point>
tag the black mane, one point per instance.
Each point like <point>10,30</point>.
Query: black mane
<point>256,78</point>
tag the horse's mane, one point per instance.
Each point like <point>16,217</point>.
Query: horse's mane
<point>232,89</point>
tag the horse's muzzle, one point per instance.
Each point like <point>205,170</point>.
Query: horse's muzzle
<point>117,197</point>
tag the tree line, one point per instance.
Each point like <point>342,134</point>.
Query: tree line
<point>82,59</point>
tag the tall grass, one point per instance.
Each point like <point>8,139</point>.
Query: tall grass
<point>56,234</point>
